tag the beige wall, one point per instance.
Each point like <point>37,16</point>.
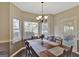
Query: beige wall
<point>26,16</point>
<point>4,22</point>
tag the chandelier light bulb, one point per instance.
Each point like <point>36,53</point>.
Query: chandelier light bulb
<point>40,17</point>
<point>37,18</point>
<point>45,17</point>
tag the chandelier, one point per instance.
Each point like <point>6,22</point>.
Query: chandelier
<point>42,18</point>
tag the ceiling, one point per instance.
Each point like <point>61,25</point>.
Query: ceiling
<point>49,7</point>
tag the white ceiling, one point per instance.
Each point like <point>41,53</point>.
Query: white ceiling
<point>49,7</point>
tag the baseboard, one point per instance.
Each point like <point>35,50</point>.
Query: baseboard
<point>17,52</point>
<point>4,41</point>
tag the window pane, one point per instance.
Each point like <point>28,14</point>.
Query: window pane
<point>35,28</point>
<point>16,30</point>
<point>15,24</point>
<point>45,29</point>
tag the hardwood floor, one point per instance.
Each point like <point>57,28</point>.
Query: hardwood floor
<point>3,54</point>
<point>22,54</point>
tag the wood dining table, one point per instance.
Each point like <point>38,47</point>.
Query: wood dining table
<point>48,49</point>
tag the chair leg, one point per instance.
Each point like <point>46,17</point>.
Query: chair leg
<point>26,53</point>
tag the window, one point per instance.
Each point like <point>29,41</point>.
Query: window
<point>16,30</point>
<point>30,29</point>
<point>45,29</point>
<point>69,35</point>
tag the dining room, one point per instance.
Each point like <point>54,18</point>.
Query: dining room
<point>39,29</point>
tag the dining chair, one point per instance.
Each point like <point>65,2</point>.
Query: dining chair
<point>60,41</point>
<point>68,53</point>
<point>28,49</point>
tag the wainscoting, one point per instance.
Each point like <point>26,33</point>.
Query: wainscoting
<point>7,48</point>
<point>15,47</point>
<point>77,45</point>
<point>4,49</point>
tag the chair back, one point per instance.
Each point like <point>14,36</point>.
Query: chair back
<point>27,45</point>
<point>68,52</point>
<point>60,41</point>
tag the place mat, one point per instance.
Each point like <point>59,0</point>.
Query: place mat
<point>56,50</point>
